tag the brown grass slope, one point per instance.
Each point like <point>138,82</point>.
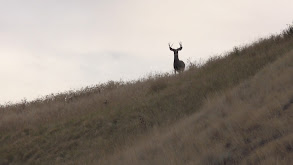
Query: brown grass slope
<point>249,124</point>
<point>94,122</point>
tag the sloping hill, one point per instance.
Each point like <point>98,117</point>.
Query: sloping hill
<point>249,124</point>
<point>93,123</point>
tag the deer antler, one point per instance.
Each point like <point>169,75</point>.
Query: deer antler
<point>180,43</point>
<point>170,46</point>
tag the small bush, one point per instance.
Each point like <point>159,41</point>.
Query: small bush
<point>288,32</point>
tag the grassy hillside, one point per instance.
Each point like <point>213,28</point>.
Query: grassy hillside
<point>91,124</point>
<point>251,123</point>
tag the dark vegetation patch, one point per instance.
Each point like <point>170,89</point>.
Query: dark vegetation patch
<point>288,104</point>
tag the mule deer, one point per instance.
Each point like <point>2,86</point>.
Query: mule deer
<point>179,65</point>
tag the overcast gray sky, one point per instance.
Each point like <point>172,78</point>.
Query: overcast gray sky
<point>49,46</point>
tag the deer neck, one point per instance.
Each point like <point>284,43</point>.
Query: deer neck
<point>176,59</point>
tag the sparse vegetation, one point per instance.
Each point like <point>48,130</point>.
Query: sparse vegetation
<point>226,104</point>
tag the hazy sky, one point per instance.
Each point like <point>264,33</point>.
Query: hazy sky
<point>49,46</point>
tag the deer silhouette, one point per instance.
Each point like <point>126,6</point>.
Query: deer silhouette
<point>179,65</point>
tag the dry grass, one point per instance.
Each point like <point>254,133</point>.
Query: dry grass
<point>249,124</point>
<point>95,122</point>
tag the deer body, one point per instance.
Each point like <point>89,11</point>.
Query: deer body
<point>179,65</point>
